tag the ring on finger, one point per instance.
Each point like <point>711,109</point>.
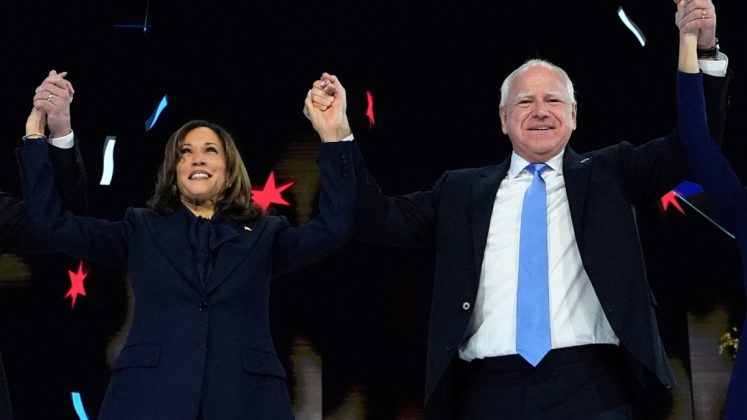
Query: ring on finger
<point>704,15</point>
<point>49,97</point>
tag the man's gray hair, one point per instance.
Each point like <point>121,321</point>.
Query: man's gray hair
<point>531,63</point>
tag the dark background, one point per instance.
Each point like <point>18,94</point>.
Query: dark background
<point>434,69</point>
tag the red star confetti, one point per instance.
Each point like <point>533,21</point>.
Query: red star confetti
<point>270,194</point>
<point>369,109</point>
<point>76,284</point>
<point>671,198</point>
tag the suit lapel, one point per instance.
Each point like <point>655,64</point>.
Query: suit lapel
<point>483,197</point>
<point>576,172</point>
<point>237,246</point>
<point>170,235</point>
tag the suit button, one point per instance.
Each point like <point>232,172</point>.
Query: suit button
<point>466,306</point>
<point>203,307</point>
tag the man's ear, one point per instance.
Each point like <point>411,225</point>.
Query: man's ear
<point>502,116</point>
<point>574,108</point>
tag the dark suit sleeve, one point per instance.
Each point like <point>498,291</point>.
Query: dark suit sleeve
<point>407,220</point>
<point>716,91</point>
<point>15,235</point>
<point>654,168</point>
<point>70,176</point>
<point>58,230</point>
<point>297,247</point>
<point>706,161</point>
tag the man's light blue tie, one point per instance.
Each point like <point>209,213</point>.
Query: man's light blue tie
<point>533,297</point>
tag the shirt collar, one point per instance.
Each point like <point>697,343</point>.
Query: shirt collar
<point>518,164</point>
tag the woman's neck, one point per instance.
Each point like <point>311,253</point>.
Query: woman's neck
<point>205,209</point>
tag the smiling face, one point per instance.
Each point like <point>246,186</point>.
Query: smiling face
<point>539,115</point>
<point>201,170</point>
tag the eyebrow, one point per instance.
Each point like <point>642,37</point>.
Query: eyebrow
<point>532,95</point>
<point>204,144</point>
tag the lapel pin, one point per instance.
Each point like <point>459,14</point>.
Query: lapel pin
<point>584,160</point>
<point>247,228</point>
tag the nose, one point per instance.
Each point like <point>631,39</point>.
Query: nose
<point>197,160</point>
<point>541,111</point>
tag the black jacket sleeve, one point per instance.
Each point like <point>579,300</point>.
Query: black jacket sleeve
<point>70,174</point>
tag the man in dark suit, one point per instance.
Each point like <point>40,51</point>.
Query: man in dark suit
<point>51,110</point>
<point>592,332</point>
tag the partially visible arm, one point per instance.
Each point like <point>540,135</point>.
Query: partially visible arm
<point>51,110</point>
<point>661,163</point>
<point>705,159</point>
<point>15,234</point>
<point>717,101</point>
<point>706,162</point>
<point>297,247</point>
<point>58,230</point>
<point>70,176</point>
<point>688,58</point>
<point>401,221</point>
<point>699,18</point>
<point>54,180</point>
<point>406,221</point>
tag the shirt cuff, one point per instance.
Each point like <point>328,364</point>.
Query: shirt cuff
<point>64,142</point>
<point>348,138</point>
<point>717,67</point>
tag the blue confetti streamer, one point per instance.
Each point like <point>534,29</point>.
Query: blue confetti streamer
<point>78,405</point>
<point>687,188</point>
<point>150,122</point>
